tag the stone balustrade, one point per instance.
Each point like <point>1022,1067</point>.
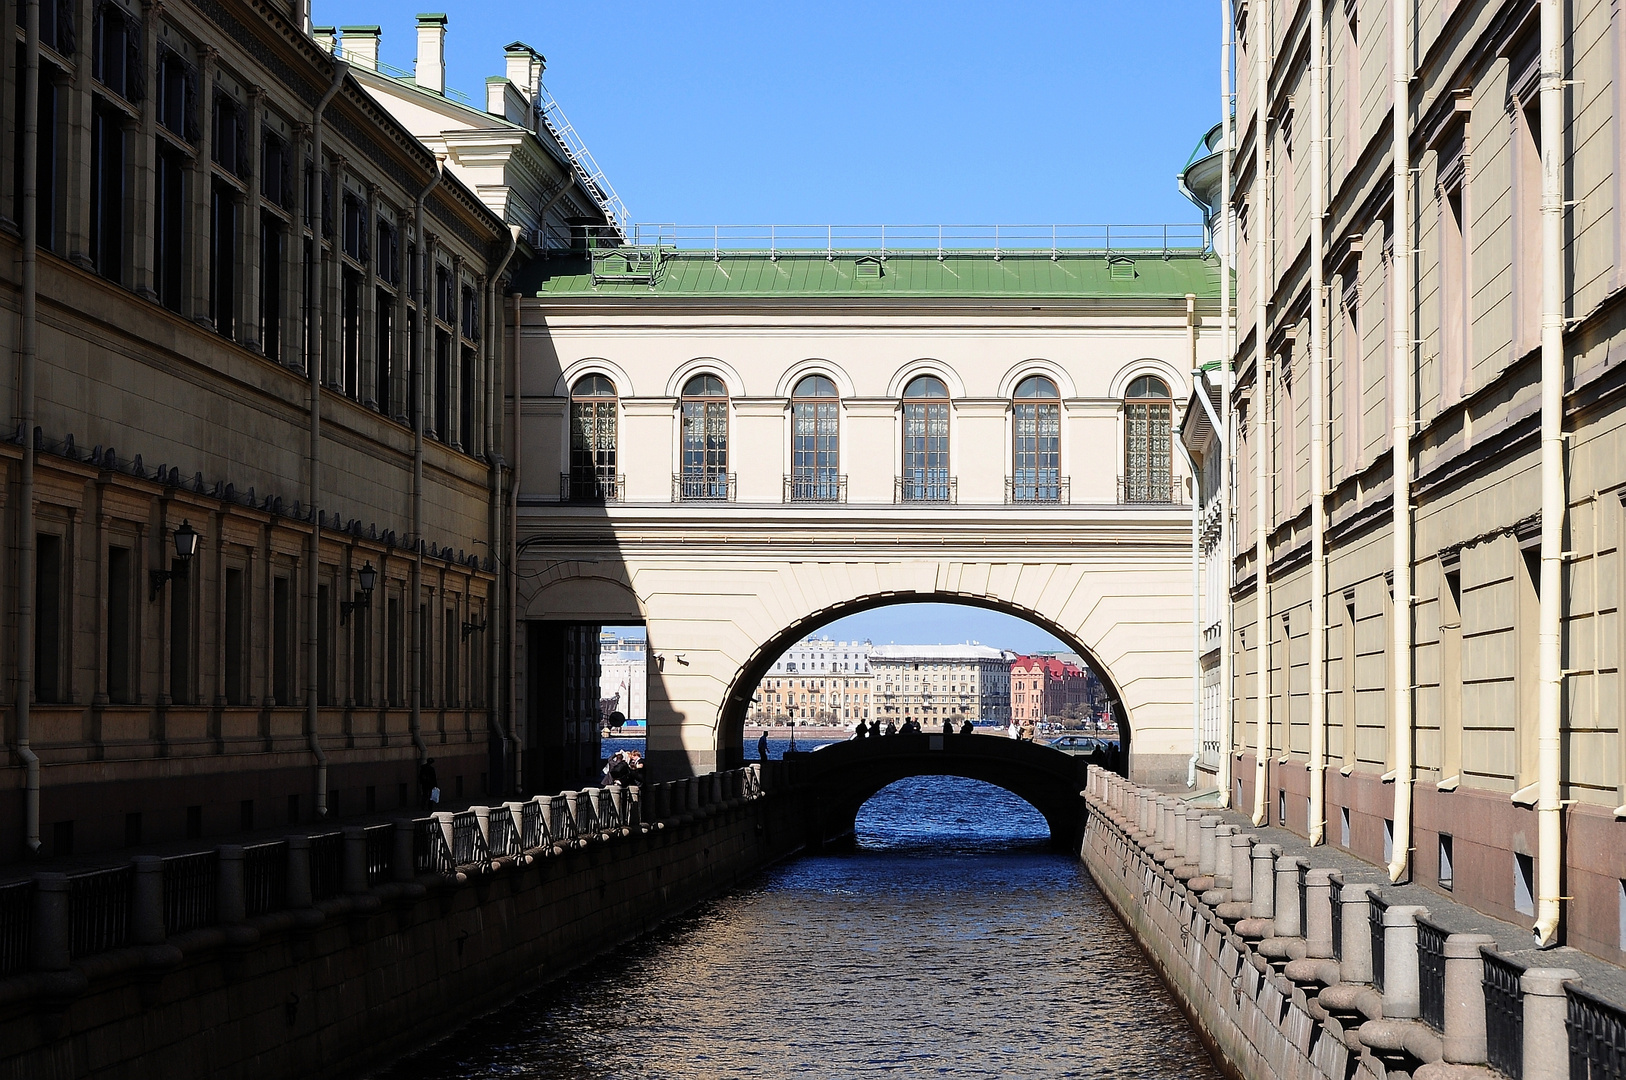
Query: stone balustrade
<point>51,921</point>
<point>1295,972</point>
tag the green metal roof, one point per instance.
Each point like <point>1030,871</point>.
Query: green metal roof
<point>1012,274</point>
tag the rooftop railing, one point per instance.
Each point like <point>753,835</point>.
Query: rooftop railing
<point>884,240</point>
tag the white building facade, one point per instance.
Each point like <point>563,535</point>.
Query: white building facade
<point>818,680</point>
<point>933,683</point>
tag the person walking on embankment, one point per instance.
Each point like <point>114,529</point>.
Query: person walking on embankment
<point>427,783</point>
<point>762,746</point>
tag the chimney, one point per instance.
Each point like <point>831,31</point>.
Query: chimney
<point>361,45</point>
<point>431,71</point>
<point>324,37</point>
<point>524,69</point>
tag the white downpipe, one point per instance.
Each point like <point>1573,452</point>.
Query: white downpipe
<point>498,620</point>
<point>1318,435</point>
<point>511,553</point>
<point>1227,381</point>
<point>419,368</point>
<point>1554,503</point>
<point>1197,389</point>
<point>27,353</point>
<point>1400,449</point>
<point>1262,374</point>
<point>316,360</point>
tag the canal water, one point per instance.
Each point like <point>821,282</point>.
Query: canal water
<point>950,943</point>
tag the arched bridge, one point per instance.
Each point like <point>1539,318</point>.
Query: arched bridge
<point>842,777</point>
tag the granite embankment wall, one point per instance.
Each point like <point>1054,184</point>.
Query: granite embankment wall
<point>430,922</point>
<point>1297,972</point>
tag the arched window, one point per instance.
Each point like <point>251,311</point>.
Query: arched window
<point>705,440</point>
<point>815,458</point>
<point>925,442</point>
<point>592,476</point>
<point>1036,442</point>
<point>1148,424</point>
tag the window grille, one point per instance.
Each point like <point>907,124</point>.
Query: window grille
<point>925,442</point>
<point>705,440</point>
<point>1148,427</point>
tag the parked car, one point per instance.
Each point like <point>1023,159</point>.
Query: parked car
<point>1077,744</point>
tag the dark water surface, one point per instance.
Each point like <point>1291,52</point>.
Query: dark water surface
<point>951,943</point>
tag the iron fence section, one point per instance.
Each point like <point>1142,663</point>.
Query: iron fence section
<point>504,840</point>
<point>1597,1030</point>
<point>562,820</point>
<point>99,910</point>
<point>16,926</point>
<point>327,866</point>
<point>1041,490</point>
<point>1504,1015</point>
<point>191,892</point>
<point>380,851</point>
<point>586,813</point>
<point>930,488</point>
<point>533,827</point>
<point>816,485</point>
<point>592,488</point>
<point>1338,921</point>
<point>609,815</point>
<point>704,487</point>
<point>430,855</point>
<point>1431,973</point>
<point>265,877</point>
<point>468,845</point>
<point>1376,906</point>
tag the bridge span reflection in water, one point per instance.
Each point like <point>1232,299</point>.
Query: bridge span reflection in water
<point>952,942</point>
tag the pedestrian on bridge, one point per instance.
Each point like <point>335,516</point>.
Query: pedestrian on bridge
<point>965,728</point>
<point>762,746</point>
<point>427,784</point>
<point>948,728</point>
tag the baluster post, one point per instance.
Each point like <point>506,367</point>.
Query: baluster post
<point>1402,983</point>
<point>1207,852</point>
<point>231,897</point>
<point>299,872</point>
<point>1263,900</point>
<point>1355,951</point>
<point>147,901</point>
<point>1287,896</point>
<point>354,872</point>
<point>53,926</point>
<point>403,863</point>
<point>1546,1037</point>
<point>1318,913</point>
<point>1464,1039</point>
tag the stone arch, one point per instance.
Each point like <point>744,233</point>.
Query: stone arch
<point>926,366</point>
<point>814,366</point>
<point>594,365</point>
<point>702,365</point>
<point>1037,366</point>
<point>1149,365</point>
<point>736,701</point>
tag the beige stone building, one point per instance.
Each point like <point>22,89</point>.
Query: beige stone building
<point>817,680</point>
<point>933,683</point>
<point>250,474</point>
<point>1426,507</point>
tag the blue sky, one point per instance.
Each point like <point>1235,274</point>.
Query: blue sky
<point>932,624</point>
<point>897,112</point>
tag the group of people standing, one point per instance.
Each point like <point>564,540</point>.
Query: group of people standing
<point>910,726</point>
<point>1025,730</point>
<point>626,767</point>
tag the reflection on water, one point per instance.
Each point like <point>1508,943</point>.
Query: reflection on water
<point>951,943</point>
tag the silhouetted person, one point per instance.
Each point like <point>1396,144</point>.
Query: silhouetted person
<point>861,731</point>
<point>762,746</point>
<point>427,783</point>
<point>948,728</point>
<point>891,728</point>
<point>965,728</point>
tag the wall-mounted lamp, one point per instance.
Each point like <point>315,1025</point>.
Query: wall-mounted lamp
<point>364,599</point>
<point>186,546</point>
<point>472,627</point>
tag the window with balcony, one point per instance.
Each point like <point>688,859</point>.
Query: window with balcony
<point>1148,424</point>
<point>1036,442</point>
<point>925,442</point>
<point>815,455</point>
<point>593,410</point>
<point>705,440</point>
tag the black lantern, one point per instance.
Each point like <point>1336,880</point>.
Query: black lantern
<point>186,546</point>
<point>364,599</point>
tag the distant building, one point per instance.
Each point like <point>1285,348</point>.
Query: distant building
<point>623,681</point>
<point>817,680</point>
<point>1049,687</point>
<point>933,683</point>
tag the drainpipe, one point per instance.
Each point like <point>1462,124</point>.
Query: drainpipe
<point>1549,810</point>
<point>1196,558</point>
<point>418,367</point>
<point>494,347</point>
<point>1263,373</point>
<point>316,359</point>
<point>1227,384</point>
<point>542,216</point>
<point>1318,435</point>
<point>1400,398</point>
<point>27,351</point>
<point>511,555</point>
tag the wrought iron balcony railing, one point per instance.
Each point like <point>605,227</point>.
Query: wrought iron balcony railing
<point>820,486</point>
<point>592,488</point>
<point>933,489</point>
<point>704,487</point>
<point>1039,489</point>
<point>1164,491</point>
